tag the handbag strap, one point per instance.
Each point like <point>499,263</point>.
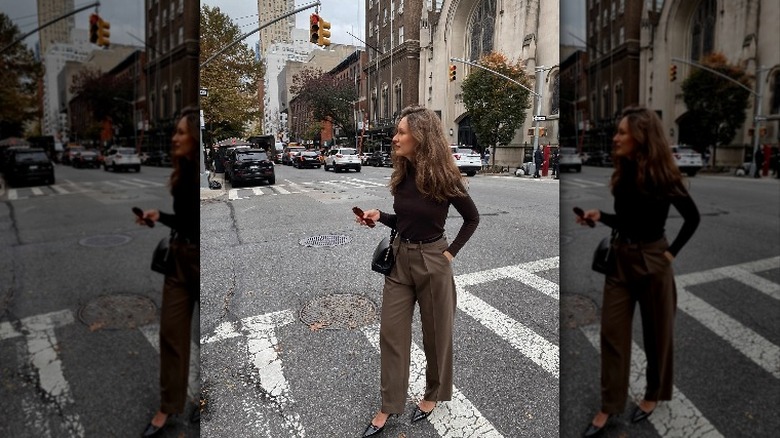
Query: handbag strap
<point>390,248</point>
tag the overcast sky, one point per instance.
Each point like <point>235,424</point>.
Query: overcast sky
<point>573,22</point>
<point>343,15</point>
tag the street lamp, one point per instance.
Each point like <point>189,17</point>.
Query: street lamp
<point>132,105</point>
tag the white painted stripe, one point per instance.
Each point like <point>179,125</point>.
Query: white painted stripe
<point>742,273</point>
<point>369,182</point>
<point>296,187</point>
<point>257,191</point>
<point>756,282</point>
<point>148,183</point>
<point>280,190</point>
<point>36,323</point>
<point>543,285</point>
<point>233,194</point>
<point>225,330</point>
<point>113,184</point>
<point>506,272</point>
<point>675,418</point>
<point>335,185</point>
<point>59,190</point>
<point>13,194</point>
<point>455,418</point>
<point>37,191</point>
<point>133,183</point>
<point>761,265</point>
<point>35,422</point>
<point>539,350</point>
<point>757,348</point>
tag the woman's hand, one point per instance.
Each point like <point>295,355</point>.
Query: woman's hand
<point>371,215</point>
<point>448,255</point>
<point>594,215</point>
<point>153,215</point>
<point>668,256</point>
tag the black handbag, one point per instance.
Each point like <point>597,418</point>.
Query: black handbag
<point>384,259</point>
<point>604,256</point>
<point>162,259</point>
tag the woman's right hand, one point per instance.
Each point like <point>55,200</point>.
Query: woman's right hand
<point>153,215</point>
<point>594,215</point>
<point>372,215</point>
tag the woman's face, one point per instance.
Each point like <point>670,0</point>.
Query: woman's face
<point>623,141</point>
<point>404,143</point>
<point>183,143</point>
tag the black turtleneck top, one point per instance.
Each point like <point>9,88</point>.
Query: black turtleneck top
<point>185,219</point>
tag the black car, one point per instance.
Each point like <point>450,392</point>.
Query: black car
<point>306,159</point>
<point>29,164</point>
<point>84,159</point>
<point>379,159</point>
<point>158,158</point>
<point>248,165</point>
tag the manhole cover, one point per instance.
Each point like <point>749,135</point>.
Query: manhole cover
<point>326,240</point>
<point>113,312</point>
<point>105,241</point>
<point>338,311</point>
<point>577,310</point>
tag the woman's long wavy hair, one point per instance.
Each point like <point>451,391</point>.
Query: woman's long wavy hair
<point>656,172</point>
<point>192,115</point>
<point>436,174</point>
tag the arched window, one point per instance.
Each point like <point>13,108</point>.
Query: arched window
<point>703,29</point>
<point>619,104</point>
<point>398,99</point>
<point>385,102</point>
<point>556,94</point>
<point>775,109</point>
<point>481,29</point>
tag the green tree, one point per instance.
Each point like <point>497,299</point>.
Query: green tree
<point>104,95</point>
<point>19,78</point>
<point>328,98</point>
<point>497,106</point>
<point>231,79</point>
<point>716,106</point>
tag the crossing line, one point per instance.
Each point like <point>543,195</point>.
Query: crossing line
<point>581,183</point>
<point>37,191</point>
<point>59,190</point>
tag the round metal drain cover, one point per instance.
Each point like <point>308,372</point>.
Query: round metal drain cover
<point>338,311</point>
<point>326,240</point>
<point>114,312</point>
<point>577,310</point>
<point>105,241</point>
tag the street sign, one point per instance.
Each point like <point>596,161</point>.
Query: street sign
<point>540,118</point>
<point>759,119</point>
<point>204,92</point>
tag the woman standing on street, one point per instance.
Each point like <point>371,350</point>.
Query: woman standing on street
<point>645,183</point>
<point>424,183</point>
<point>181,289</point>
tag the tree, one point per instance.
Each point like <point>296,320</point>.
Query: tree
<point>716,106</point>
<point>231,79</point>
<point>19,78</point>
<point>497,106</point>
<point>328,98</point>
<point>104,94</point>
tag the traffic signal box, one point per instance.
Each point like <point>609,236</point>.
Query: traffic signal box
<point>672,73</point>
<point>93,28</point>
<point>319,30</point>
<point>453,72</point>
<point>99,31</point>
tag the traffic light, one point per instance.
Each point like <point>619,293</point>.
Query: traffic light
<point>93,28</point>
<point>453,72</point>
<point>103,34</point>
<point>314,28</point>
<point>323,33</point>
<point>672,73</point>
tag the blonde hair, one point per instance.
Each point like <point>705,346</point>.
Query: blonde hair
<point>656,169</point>
<point>437,177</point>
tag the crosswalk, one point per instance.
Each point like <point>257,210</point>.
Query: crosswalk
<point>567,180</point>
<point>260,339</point>
<point>293,188</point>
<point>68,188</point>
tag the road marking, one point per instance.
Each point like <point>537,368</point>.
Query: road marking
<point>280,190</point>
<point>148,183</point>
<point>257,191</point>
<point>369,182</point>
<point>744,273</point>
<point>582,183</point>
<point>36,322</point>
<point>455,418</point>
<point>296,187</point>
<point>37,191</point>
<point>12,194</point>
<point>113,184</point>
<point>677,417</point>
<point>133,183</point>
<point>59,190</point>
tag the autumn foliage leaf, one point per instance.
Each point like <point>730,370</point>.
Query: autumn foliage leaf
<point>327,98</point>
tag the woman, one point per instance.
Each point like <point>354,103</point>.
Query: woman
<point>181,288</point>
<point>646,181</point>
<point>424,183</point>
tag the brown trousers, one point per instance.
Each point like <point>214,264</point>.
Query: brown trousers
<point>180,293</point>
<point>643,275</point>
<point>423,274</point>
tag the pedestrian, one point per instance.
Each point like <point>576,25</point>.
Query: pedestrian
<point>645,183</point>
<point>181,287</point>
<point>538,161</point>
<point>555,160</point>
<point>424,183</point>
<point>759,162</point>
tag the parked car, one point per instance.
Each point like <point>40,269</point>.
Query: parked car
<point>288,153</point>
<point>467,161</point>
<point>569,159</point>
<point>306,159</point>
<point>70,152</point>
<point>251,165</point>
<point>688,160</point>
<point>28,164</point>
<point>600,158</point>
<point>121,158</point>
<point>158,158</point>
<point>342,159</point>
<point>379,159</point>
<point>86,158</point>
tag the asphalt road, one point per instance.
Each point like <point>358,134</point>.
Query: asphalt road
<point>727,359</point>
<point>80,306</point>
<point>290,332</point>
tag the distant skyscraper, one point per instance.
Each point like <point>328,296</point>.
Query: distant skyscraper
<point>279,32</point>
<point>58,32</point>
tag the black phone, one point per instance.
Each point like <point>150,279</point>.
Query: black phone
<point>140,213</point>
<point>359,213</point>
<point>578,211</point>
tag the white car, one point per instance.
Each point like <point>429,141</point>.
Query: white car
<point>342,159</point>
<point>688,160</point>
<point>569,159</point>
<point>118,158</point>
<point>467,161</point>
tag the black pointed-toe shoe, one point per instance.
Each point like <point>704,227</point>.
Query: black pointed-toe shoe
<point>152,431</point>
<point>419,414</point>
<point>593,431</point>
<point>639,415</point>
<point>373,430</point>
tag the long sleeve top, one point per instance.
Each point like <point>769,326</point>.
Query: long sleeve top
<point>419,218</point>
<point>642,215</point>
<point>185,219</point>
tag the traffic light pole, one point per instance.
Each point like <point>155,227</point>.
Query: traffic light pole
<point>74,12</point>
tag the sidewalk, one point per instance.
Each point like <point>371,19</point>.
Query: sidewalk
<point>206,193</point>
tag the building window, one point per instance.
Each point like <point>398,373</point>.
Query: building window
<point>385,103</point>
<point>177,97</point>
<point>612,11</point>
<point>619,104</point>
<point>398,99</point>
<point>703,29</point>
<point>556,94</point>
<point>371,29</point>
<point>384,13</point>
<point>180,10</point>
<point>622,35</point>
<point>621,6</point>
<point>481,30</point>
<point>775,109</point>
<point>401,35</point>
<point>181,34</point>
<point>165,106</point>
<point>605,103</point>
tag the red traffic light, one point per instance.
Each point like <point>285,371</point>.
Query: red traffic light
<point>314,28</point>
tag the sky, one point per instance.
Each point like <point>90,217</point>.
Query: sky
<point>125,16</point>
<point>343,15</point>
<point>573,22</point>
